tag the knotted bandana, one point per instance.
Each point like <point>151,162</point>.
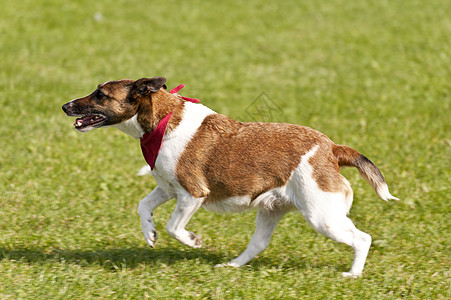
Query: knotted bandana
<point>151,142</point>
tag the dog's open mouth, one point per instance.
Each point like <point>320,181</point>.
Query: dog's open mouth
<point>87,121</point>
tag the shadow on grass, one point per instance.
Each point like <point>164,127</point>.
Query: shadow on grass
<point>111,259</point>
<point>131,258</point>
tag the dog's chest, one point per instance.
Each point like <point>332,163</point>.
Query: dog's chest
<point>174,143</point>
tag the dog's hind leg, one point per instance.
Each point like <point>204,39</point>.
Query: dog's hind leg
<point>341,229</point>
<point>265,224</point>
<point>326,212</point>
<point>186,206</point>
<point>145,210</point>
<point>345,232</point>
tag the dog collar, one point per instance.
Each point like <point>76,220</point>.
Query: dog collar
<point>151,142</point>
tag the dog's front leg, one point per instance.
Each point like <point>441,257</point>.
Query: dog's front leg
<point>186,206</point>
<point>145,210</point>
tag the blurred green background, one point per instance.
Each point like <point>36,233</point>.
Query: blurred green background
<point>375,75</point>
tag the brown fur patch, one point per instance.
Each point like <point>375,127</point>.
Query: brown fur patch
<point>226,158</point>
<point>346,156</point>
<point>326,171</point>
<point>117,89</point>
<point>152,110</point>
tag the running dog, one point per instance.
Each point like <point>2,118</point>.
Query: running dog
<point>206,159</point>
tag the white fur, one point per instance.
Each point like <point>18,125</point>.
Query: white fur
<point>145,170</point>
<point>273,199</point>
<point>265,223</point>
<point>311,200</point>
<point>186,206</point>
<point>384,193</point>
<point>229,205</point>
<point>131,127</point>
<point>145,211</point>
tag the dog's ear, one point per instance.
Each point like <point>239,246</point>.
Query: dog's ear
<point>146,86</point>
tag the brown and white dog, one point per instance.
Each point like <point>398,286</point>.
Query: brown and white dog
<point>207,159</point>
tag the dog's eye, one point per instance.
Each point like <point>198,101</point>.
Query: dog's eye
<point>99,94</point>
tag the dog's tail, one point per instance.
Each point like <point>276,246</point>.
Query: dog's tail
<point>348,157</point>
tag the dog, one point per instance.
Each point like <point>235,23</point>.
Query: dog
<point>205,159</point>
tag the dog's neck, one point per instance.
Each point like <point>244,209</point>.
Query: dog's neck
<point>131,127</point>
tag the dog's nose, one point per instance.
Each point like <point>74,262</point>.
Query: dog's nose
<point>66,107</point>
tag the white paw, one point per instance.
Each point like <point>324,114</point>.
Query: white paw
<point>149,232</point>
<point>229,264</point>
<point>194,241</point>
<point>351,275</point>
<point>150,237</point>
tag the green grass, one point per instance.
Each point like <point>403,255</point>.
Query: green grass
<point>375,75</point>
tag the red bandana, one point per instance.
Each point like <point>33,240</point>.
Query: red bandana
<point>151,142</point>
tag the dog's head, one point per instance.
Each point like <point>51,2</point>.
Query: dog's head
<point>114,102</point>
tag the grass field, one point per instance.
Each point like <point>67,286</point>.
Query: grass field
<point>375,75</point>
